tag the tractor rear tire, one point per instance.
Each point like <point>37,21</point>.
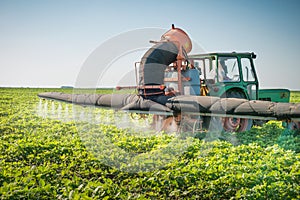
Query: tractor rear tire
<point>231,124</point>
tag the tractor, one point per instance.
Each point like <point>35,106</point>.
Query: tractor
<point>191,93</point>
<point>228,75</point>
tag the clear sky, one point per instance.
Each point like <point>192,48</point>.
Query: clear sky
<point>44,43</point>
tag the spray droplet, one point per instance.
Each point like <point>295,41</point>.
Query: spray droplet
<point>52,109</point>
<point>59,111</point>
<point>45,110</point>
<point>66,113</point>
<point>40,108</point>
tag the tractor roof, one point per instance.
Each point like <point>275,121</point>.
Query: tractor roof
<point>232,54</point>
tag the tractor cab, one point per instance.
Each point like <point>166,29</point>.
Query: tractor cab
<point>226,74</point>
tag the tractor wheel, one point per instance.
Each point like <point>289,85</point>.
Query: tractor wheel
<point>190,124</point>
<point>167,124</point>
<point>179,124</point>
<point>232,124</point>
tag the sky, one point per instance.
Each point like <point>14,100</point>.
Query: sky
<point>46,43</point>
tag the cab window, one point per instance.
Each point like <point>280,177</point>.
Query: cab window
<point>248,74</point>
<point>207,67</point>
<point>228,70</point>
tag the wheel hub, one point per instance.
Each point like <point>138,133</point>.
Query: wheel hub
<point>232,124</point>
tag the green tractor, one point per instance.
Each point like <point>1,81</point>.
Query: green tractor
<point>233,75</point>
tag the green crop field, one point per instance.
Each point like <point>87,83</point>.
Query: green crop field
<point>295,96</point>
<point>45,154</point>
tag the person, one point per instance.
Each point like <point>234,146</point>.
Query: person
<point>222,71</point>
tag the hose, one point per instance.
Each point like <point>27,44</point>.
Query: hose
<point>182,104</point>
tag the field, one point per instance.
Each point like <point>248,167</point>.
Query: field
<point>44,154</point>
<point>295,96</point>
